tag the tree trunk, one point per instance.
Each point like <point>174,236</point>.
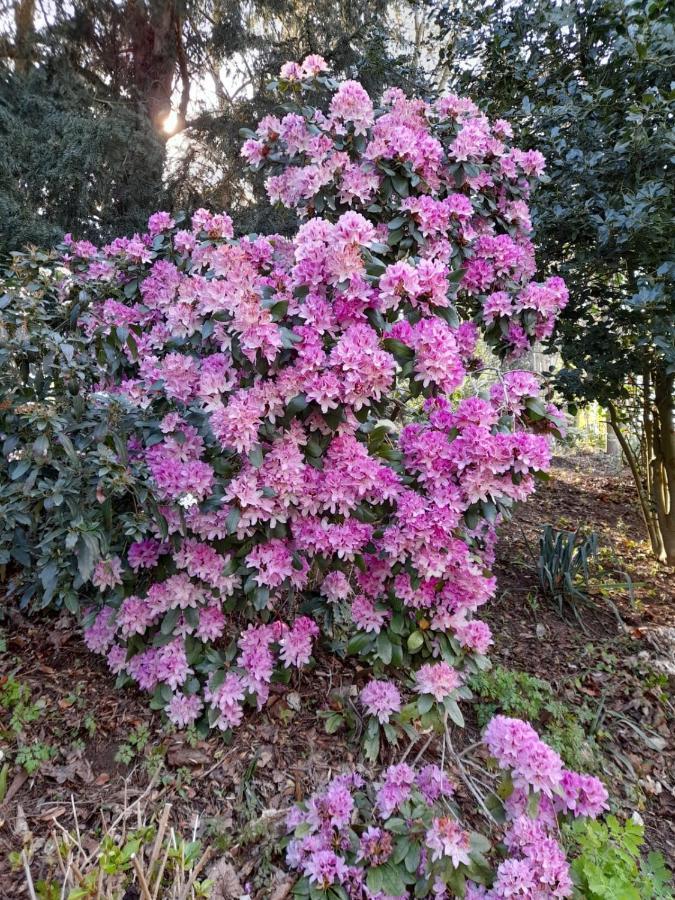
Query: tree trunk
<point>663,462</point>
<point>645,505</point>
<point>156,29</point>
<point>613,447</point>
<point>24,15</point>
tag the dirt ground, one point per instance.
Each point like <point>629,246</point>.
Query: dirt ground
<point>105,749</point>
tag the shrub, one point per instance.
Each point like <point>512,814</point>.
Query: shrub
<point>265,376</point>
<point>263,488</point>
<point>70,493</point>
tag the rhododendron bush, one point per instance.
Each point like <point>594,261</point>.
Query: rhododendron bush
<point>296,496</point>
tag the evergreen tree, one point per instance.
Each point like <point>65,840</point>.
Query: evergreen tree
<point>90,97</point>
<point>590,81</point>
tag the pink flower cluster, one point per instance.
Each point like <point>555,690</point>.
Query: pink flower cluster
<point>437,679</point>
<point>409,806</point>
<point>534,765</point>
<point>434,141</point>
<point>380,699</point>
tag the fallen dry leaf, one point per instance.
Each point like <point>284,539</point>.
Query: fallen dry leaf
<point>187,756</point>
<point>226,884</point>
<point>78,770</point>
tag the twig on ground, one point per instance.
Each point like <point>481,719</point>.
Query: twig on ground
<point>206,856</point>
<point>29,877</point>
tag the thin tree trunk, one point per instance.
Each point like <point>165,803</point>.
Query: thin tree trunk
<point>647,512</point>
<point>664,462</point>
<point>648,427</point>
<point>612,446</point>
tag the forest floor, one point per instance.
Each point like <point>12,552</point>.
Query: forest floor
<point>601,695</point>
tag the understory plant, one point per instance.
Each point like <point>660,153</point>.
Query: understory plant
<point>608,861</point>
<point>151,860</point>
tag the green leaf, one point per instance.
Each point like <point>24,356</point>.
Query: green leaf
<point>359,643</point>
<point>384,648</point>
<point>454,711</point>
<point>392,882</point>
<point>17,469</point>
<point>401,185</point>
<point>415,641</point>
<point>4,772</point>
<point>232,520</point>
<point>396,222</point>
<point>374,879</point>
<point>412,858</point>
<point>255,456</point>
<point>425,703</point>
<point>333,723</point>
<point>169,621</point>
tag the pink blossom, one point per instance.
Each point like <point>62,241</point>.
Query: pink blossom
<point>446,838</point>
<point>366,616</point>
<point>296,644</point>
<point>160,221</point>
<point>433,784</point>
<point>107,573</point>
<point>395,789</point>
<point>380,699</point>
<point>184,709</point>
<point>437,679</point>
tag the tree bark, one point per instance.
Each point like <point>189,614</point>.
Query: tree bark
<point>613,447</point>
<point>24,16</point>
<point>663,465</point>
<point>156,29</point>
<point>643,497</point>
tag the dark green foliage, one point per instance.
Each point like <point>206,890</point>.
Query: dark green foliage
<point>563,566</point>
<point>82,144</point>
<point>590,84</point>
<point>72,162</point>
<point>69,490</point>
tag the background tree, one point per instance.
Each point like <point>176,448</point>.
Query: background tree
<point>92,91</point>
<point>590,83</point>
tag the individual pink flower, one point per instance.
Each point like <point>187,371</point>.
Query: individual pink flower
<point>446,838</point>
<point>437,679</point>
<point>583,795</point>
<point>296,644</point>
<point>325,868</point>
<point>375,846</point>
<point>160,221</point>
<point>395,790</point>
<point>433,784</point>
<point>366,616</point>
<point>336,587</point>
<point>352,105</point>
<point>107,573</point>
<point>184,709</point>
<point>100,634</point>
<point>380,699</point>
